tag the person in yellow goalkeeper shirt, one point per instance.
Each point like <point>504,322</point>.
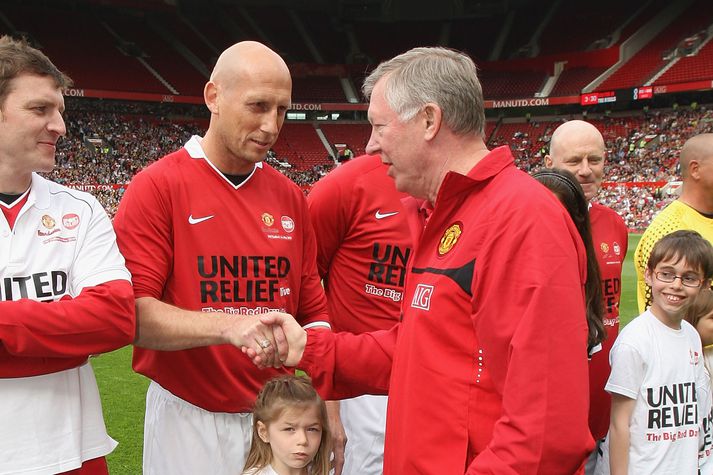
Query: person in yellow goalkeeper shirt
<point>692,210</point>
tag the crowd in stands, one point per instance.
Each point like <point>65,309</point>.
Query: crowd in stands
<point>107,143</point>
<point>640,149</point>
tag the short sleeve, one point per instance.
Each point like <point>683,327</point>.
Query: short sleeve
<point>627,371</point>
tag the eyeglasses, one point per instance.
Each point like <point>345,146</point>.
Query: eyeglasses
<point>687,280</point>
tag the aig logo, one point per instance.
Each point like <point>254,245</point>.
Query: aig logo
<point>422,297</point>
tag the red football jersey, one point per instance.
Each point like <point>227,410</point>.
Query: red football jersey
<point>610,238</point>
<point>196,241</point>
<point>363,244</point>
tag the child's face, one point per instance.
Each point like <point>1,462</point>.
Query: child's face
<point>294,438</point>
<point>705,329</point>
<point>670,299</point>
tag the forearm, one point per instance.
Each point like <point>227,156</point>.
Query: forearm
<point>620,434</point>
<point>344,365</point>
<point>619,450</point>
<point>161,326</point>
<point>99,319</point>
<point>339,437</point>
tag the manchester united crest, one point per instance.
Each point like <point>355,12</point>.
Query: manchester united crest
<point>604,247</point>
<point>450,238</point>
<point>267,219</point>
<point>48,221</point>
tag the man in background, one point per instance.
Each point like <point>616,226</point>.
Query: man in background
<point>363,246</point>
<point>579,147</point>
<point>692,210</point>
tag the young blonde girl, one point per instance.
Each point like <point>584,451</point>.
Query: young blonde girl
<point>700,315</point>
<point>290,430</point>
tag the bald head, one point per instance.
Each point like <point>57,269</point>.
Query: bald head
<point>572,134</point>
<point>248,58</point>
<point>577,146</point>
<point>248,95</point>
<point>699,149</point>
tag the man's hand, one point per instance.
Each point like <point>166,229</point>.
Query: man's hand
<point>264,344</point>
<point>339,437</point>
<point>289,335</point>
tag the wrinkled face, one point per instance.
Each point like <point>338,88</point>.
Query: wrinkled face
<point>294,438</point>
<point>670,300</point>
<point>583,155</point>
<point>398,143</point>
<point>705,329</point>
<point>31,123</point>
<point>251,111</point>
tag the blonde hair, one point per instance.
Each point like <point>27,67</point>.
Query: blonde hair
<point>701,306</point>
<point>278,395</point>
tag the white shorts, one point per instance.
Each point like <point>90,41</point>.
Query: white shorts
<point>591,465</point>
<point>364,420</point>
<point>183,439</point>
<point>602,464</point>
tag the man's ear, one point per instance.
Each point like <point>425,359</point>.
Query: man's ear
<point>548,161</point>
<point>694,169</point>
<point>433,116</point>
<point>210,95</point>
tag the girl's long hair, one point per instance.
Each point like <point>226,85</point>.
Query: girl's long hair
<point>279,394</point>
<point>565,186</point>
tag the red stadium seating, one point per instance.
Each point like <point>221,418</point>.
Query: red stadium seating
<point>506,84</point>
<point>316,89</point>
<point>161,56</point>
<point>574,27</point>
<point>300,145</point>
<point>89,54</point>
<point>572,81</point>
<point>644,64</point>
<point>693,68</point>
<point>355,136</point>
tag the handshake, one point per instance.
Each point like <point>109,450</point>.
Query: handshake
<point>271,339</point>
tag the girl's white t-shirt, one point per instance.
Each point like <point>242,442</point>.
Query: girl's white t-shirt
<point>266,470</point>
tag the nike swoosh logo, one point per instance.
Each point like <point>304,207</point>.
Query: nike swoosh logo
<point>192,220</point>
<point>380,215</point>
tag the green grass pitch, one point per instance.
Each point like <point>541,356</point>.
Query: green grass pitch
<point>123,391</point>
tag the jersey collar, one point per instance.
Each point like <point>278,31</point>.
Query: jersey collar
<point>39,193</point>
<point>195,150</point>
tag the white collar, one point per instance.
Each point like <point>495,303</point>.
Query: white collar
<point>195,150</point>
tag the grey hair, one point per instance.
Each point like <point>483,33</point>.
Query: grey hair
<point>438,75</point>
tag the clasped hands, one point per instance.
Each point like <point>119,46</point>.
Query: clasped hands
<point>271,339</point>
